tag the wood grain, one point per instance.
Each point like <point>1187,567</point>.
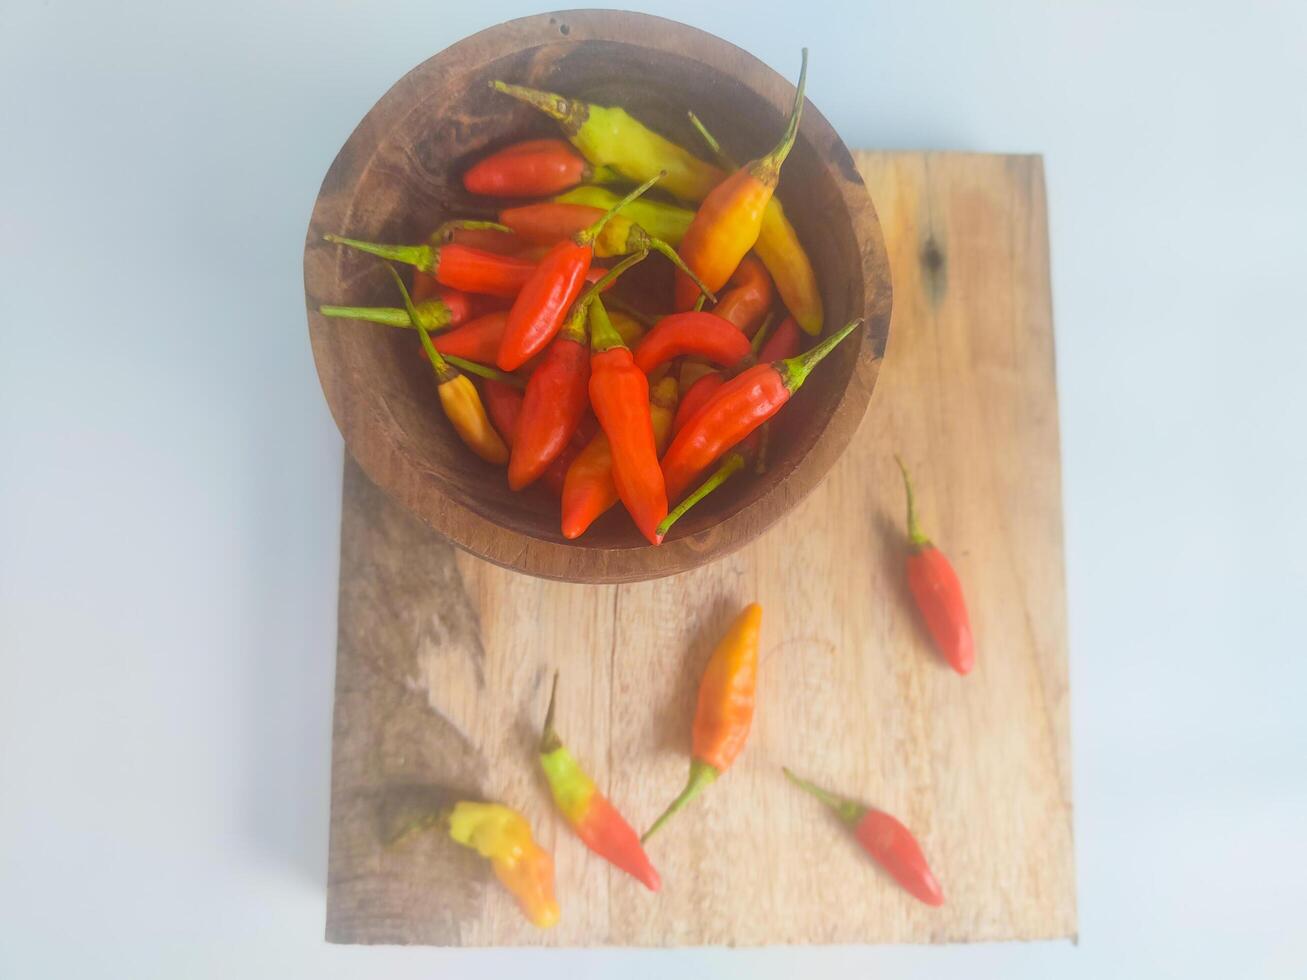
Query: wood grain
<point>444,659</point>
<point>398,177</point>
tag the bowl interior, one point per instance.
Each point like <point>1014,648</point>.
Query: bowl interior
<point>411,182</point>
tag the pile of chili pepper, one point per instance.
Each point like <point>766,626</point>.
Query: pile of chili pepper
<point>544,370</point>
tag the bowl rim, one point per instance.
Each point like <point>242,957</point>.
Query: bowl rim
<point>396,473</point>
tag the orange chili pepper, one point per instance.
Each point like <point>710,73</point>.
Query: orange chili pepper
<point>550,291</point>
<point>781,251</point>
<point>596,821</point>
<point>889,843</point>
<point>533,168</point>
<point>937,592</point>
<point>588,490</point>
<point>736,409</point>
<point>725,710</point>
<point>619,395</point>
<point>749,298</point>
<point>703,335</point>
<point>727,223</point>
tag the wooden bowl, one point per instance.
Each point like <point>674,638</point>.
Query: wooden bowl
<point>398,176</point>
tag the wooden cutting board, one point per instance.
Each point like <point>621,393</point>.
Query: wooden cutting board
<point>444,660</point>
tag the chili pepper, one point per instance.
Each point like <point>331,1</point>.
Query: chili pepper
<point>781,252</point>
<point>457,266</point>
<point>504,406</point>
<point>533,168</point>
<point>588,812</point>
<point>525,868</point>
<point>550,223</point>
<point>619,395</point>
<point>749,298</point>
<point>556,394</point>
<point>888,842</point>
<point>703,335</point>
<point>488,240</point>
<point>437,313</point>
<point>610,137</point>
<point>781,344</point>
<point>588,490</point>
<point>727,223</point>
<point>658,218</point>
<point>937,592</point>
<point>555,475</point>
<point>725,711</point>
<point>554,403</point>
<point>458,396</point>
<point>695,397</point>
<point>477,340</point>
<point>551,290</point>
<point>736,409</point>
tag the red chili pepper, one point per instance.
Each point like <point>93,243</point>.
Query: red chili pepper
<point>619,394</point>
<point>750,296</point>
<point>938,593</point>
<point>695,398</point>
<point>477,340</point>
<point>488,240</point>
<point>556,474</point>
<point>549,293</point>
<point>462,306</point>
<point>456,266</point>
<point>534,168</point>
<point>703,335</point>
<point>888,842</point>
<point>504,406</point>
<point>738,407</point>
<point>554,403</point>
<point>782,344</point>
<point>595,820</point>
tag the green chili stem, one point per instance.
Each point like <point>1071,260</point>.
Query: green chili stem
<point>846,810</point>
<point>422,822</point>
<point>442,369</point>
<point>588,235</point>
<point>768,168</point>
<point>729,467</point>
<point>569,113</point>
<point>916,537</point>
<point>444,232</point>
<point>723,159</point>
<point>795,370</point>
<point>617,303</point>
<point>701,776</point>
<point>549,740</point>
<point>760,336</point>
<point>423,257</point>
<point>644,240</point>
<point>434,313</point>
<point>603,335</point>
<point>484,371</point>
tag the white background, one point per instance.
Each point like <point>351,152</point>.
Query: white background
<point>170,476</point>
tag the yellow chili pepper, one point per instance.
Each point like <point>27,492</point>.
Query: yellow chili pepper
<point>628,327</point>
<point>502,834</point>
<point>609,136</point>
<point>458,396</point>
<point>662,220</point>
